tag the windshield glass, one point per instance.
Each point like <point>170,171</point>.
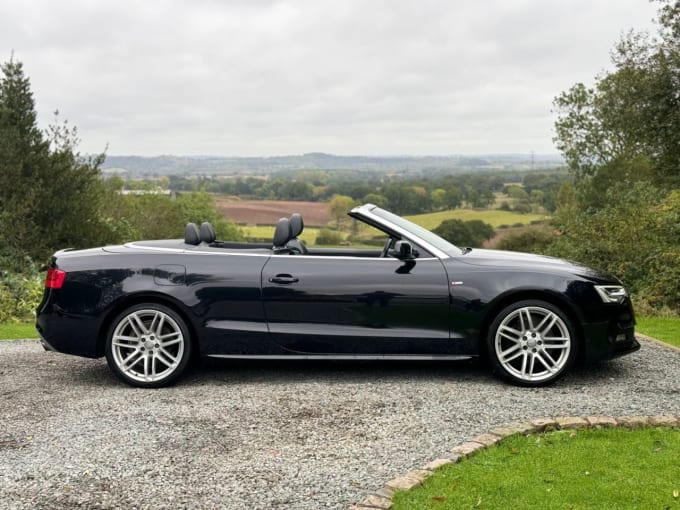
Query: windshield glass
<point>418,231</point>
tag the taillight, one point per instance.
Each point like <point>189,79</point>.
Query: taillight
<point>55,278</point>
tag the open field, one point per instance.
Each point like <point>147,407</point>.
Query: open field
<point>267,212</point>
<point>492,216</point>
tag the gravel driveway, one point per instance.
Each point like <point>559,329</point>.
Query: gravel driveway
<point>270,435</point>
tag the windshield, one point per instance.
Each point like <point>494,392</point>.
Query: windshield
<point>418,231</point>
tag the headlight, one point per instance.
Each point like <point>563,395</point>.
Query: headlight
<point>611,293</point>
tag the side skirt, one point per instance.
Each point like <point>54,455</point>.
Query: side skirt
<point>407,357</point>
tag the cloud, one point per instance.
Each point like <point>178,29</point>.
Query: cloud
<point>277,77</point>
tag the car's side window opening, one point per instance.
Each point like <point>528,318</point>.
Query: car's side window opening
<point>352,238</point>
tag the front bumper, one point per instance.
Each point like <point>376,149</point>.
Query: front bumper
<point>613,335</point>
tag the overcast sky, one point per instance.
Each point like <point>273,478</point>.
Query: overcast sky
<point>259,77</point>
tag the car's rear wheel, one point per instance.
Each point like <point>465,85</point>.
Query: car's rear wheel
<point>148,345</point>
<point>532,343</point>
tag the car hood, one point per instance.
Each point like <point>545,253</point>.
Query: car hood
<point>531,262</point>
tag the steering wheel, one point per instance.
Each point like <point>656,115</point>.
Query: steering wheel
<point>386,248</point>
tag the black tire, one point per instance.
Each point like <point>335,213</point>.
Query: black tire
<point>148,345</point>
<point>531,343</point>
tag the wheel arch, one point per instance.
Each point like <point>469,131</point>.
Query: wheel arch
<point>146,297</point>
<point>554,298</point>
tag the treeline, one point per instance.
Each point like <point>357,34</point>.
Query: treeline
<point>397,193</point>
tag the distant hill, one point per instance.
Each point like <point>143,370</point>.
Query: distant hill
<point>212,165</point>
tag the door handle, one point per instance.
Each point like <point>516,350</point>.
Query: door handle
<point>283,279</point>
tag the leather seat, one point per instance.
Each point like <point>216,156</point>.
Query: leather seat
<point>282,234</point>
<point>207,233</point>
<point>297,225</point>
<point>191,234</point>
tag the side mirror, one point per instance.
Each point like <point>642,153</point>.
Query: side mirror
<point>403,250</point>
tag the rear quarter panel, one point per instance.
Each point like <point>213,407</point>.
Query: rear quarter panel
<point>214,293</point>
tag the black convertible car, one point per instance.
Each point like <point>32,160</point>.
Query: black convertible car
<point>149,306</point>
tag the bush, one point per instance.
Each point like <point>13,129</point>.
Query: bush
<point>20,295</point>
<point>471,233</point>
<point>156,216</point>
<point>531,240</point>
<point>329,237</point>
<point>523,207</point>
<point>635,236</point>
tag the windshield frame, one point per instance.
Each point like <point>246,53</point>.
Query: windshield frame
<point>432,242</point>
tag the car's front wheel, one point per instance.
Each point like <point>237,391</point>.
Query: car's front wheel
<point>532,343</point>
<point>148,345</point>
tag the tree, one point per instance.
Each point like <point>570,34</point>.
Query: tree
<point>375,199</point>
<point>49,193</point>
<point>22,150</point>
<point>627,127</point>
<point>454,197</point>
<point>339,206</point>
<point>516,192</point>
<point>438,199</point>
<point>621,140</point>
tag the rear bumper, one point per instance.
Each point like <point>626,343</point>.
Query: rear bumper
<point>46,345</point>
<point>69,334</point>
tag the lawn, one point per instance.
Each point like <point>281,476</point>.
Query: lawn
<point>565,469</point>
<point>494,217</point>
<point>12,331</point>
<point>666,329</point>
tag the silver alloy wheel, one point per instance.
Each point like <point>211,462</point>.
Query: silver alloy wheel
<point>147,345</point>
<point>532,343</point>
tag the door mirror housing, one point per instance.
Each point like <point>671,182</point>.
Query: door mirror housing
<point>403,250</point>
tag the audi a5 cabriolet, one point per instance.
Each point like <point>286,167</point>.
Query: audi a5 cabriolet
<point>150,306</point>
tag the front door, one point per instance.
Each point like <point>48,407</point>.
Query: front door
<point>357,305</point>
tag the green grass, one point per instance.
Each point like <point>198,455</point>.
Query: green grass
<point>494,217</point>
<point>586,469</point>
<point>666,329</point>
<point>12,331</point>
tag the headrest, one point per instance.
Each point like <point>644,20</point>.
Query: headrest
<point>207,233</point>
<point>191,235</point>
<point>296,225</point>
<point>282,233</point>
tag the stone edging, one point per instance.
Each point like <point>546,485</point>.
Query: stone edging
<point>382,498</point>
<point>658,342</point>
